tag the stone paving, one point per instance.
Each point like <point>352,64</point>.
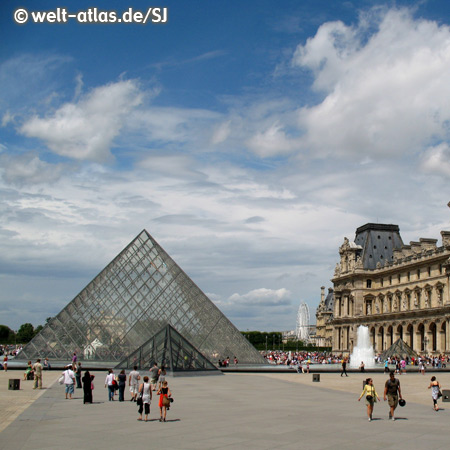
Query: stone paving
<point>233,411</point>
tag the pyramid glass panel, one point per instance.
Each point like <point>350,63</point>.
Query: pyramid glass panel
<point>136,295</point>
<point>169,349</point>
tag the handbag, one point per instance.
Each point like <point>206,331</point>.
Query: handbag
<point>369,398</point>
<point>165,401</point>
<point>439,394</point>
<point>139,399</point>
<point>61,379</point>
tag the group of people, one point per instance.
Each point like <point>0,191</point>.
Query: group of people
<point>393,394</point>
<point>141,393</point>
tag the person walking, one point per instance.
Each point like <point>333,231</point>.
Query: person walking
<point>87,387</point>
<point>133,382</point>
<point>371,397</point>
<point>5,363</point>
<point>164,402</point>
<point>145,398</point>
<point>69,381</point>
<point>344,367</point>
<point>37,369</point>
<point>154,371</point>
<point>393,392</point>
<point>122,378</point>
<point>162,376</point>
<point>110,384</point>
<point>435,387</point>
<point>78,376</point>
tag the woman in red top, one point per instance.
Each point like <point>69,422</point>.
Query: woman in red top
<point>164,402</point>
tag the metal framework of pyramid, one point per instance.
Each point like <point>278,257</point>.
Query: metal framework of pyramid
<point>169,349</point>
<point>128,302</point>
<point>399,348</point>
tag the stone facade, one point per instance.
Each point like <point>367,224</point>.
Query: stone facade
<point>324,317</point>
<point>397,290</point>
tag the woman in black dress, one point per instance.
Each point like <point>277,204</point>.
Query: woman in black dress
<point>87,387</point>
<point>122,383</point>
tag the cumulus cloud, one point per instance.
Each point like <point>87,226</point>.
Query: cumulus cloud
<point>86,129</point>
<point>271,142</point>
<point>437,159</point>
<point>263,297</point>
<point>28,169</point>
<point>385,92</point>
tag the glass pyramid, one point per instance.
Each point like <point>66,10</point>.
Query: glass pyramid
<point>169,349</point>
<point>128,302</point>
<point>400,349</point>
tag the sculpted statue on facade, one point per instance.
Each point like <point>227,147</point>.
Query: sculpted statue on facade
<point>377,308</point>
<point>439,296</point>
<point>337,270</point>
<point>369,308</point>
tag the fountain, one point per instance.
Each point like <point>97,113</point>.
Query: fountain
<point>363,350</point>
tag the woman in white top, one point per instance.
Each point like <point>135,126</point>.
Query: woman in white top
<point>146,393</point>
<point>435,387</point>
<point>109,382</point>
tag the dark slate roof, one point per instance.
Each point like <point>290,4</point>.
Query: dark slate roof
<point>378,242</point>
<point>329,301</point>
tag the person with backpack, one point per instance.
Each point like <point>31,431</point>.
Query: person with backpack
<point>393,393</point>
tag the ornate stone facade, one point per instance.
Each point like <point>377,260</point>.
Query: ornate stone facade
<point>324,317</point>
<point>397,290</point>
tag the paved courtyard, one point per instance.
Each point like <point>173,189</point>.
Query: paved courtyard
<point>235,411</point>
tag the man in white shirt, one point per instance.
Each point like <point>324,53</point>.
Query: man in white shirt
<point>69,381</point>
<point>133,382</point>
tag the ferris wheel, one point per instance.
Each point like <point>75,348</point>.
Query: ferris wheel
<point>302,330</point>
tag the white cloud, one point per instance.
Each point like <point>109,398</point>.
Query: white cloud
<point>437,159</point>
<point>86,129</point>
<point>263,297</point>
<point>271,142</point>
<point>386,95</point>
<point>28,169</point>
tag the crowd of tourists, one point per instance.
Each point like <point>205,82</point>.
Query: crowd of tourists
<point>140,389</point>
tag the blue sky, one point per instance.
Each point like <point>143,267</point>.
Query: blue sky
<point>247,137</point>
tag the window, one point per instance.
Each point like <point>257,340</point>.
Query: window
<point>399,278</point>
<point>418,274</point>
<point>369,283</point>
<point>390,279</point>
<point>429,271</point>
<point>409,276</point>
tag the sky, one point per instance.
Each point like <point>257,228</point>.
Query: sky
<point>247,137</point>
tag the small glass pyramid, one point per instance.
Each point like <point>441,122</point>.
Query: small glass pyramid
<point>169,349</point>
<point>128,302</point>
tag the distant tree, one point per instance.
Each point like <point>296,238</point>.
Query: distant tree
<point>6,335</point>
<point>37,330</point>
<point>25,333</point>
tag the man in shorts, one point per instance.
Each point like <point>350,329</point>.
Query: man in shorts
<point>393,392</point>
<point>69,381</point>
<point>133,382</point>
<point>154,372</point>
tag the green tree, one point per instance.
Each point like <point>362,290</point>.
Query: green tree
<point>25,333</point>
<point>37,330</point>
<point>6,335</point>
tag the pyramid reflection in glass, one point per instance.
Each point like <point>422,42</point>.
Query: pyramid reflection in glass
<point>128,302</point>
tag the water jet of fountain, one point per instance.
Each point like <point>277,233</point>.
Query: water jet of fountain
<point>363,350</point>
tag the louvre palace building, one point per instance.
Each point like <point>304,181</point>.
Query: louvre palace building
<point>396,290</point>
